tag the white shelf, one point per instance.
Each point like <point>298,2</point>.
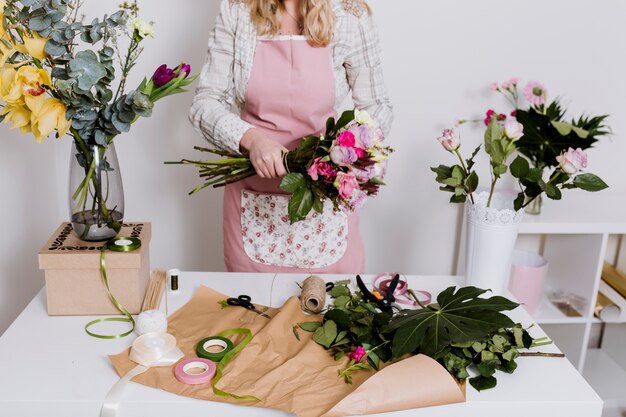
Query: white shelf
<point>548,313</point>
<point>606,377</point>
<point>577,213</point>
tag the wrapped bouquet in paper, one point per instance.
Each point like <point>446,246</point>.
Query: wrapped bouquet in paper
<point>345,165</point>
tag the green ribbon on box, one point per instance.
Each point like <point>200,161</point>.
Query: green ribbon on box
<point>118,244</point>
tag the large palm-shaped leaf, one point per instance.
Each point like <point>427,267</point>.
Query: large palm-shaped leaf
<point>457,317</point>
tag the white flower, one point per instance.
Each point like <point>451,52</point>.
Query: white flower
<point>142,27</point>
<point>363,118</point>
<point>513,129</point>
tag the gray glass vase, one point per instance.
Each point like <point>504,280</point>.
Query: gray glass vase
<point>96,194</point>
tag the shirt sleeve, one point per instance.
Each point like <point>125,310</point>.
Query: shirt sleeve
<point>365,75</point>
<point>210,112</point>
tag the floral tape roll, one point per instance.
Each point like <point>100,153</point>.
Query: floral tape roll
<point>224,344</point>
<point>151,321</point>
<point>183,373</point>
<point>313,296</point>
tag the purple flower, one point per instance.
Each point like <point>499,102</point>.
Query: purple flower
<point>163,75</point>
<point>365,174</point>
<point>358,199</point>
<point>184,68</point>
<point>343,156</point>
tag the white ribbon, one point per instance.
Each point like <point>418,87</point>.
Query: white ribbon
<point>148,350</point>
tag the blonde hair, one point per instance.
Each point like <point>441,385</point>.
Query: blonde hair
<point>318,24</point>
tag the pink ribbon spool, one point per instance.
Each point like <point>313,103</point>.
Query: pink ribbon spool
<point>181,372</point>
<point>381,284</point>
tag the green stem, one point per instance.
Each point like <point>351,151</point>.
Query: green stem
<point>494,179</point>
<point>467,174</point>
<point>126,68</point>
<point>552,178</point>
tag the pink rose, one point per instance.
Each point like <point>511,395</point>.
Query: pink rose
<point>358,354</point>
<point>513,129</point>
<point>572,161</point>
<point>346,139</point>
<point>346,184</point>
<point>326,170</point>
<point>343,156</point>
<point>449,140</point>
<point>314,169</point>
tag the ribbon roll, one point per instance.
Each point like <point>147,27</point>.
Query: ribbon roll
<point>203,348</point>
<point>118,244</point>
<point>151,321</point>
<point>381,284</point>
<point>313,296</point>
<point>148,350</point>
<point>183,374</point>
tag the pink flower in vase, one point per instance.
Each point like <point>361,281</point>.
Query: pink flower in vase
<point>572,161</point>
<point>449,140</point>
<point>535,93</point>
<point>346,184</point>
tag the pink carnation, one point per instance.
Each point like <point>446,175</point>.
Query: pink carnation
<point>346,184</point>
<point>346,139</point>
<point>358,354</point>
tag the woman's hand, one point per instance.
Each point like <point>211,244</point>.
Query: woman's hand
<point>265,153</point>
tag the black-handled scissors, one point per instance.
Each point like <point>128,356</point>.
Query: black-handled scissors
<point>245,301</point>
<point>383,302</point>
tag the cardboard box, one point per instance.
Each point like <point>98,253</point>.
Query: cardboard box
<point>72,268</point>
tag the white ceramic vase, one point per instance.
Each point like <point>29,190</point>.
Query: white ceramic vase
<point>491,235</point>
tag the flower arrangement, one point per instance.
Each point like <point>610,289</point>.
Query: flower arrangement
<point>506,135</point>
<point>356,328</point>
<point>58,74</point>
<point>345,165</point>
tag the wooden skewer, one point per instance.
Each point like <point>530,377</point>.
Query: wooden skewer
<point>546,355</point>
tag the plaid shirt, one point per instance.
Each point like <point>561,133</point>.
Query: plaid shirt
<point>224,78</point>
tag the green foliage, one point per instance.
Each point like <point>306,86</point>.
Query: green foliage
<point>589,182</point>
<point>548,135</point>
<point>457,317</point>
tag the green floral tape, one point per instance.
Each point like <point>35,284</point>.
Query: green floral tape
<point>118,244</point>
<point>219,341</point>
<point>228,357</point>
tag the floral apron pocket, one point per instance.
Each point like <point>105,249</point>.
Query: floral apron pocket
<point>269,238</point>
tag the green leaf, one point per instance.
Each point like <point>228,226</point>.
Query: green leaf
<point>510,355</point>
<point>330,125</point>
<point>86,68</point>
<point>519,201</point>
<point>339,317</point>
<point>342,300</point>
<point>566,128</point>
<point>589,182</point>
<point>462,316</point>
<point>293,182</point>
<point>519,167</point>
<point>443,172</point>
<point>326,334</point>
<point>346,117</point>
<point>339,290</point>
<point>458,198</point>
<point>486,368</point>
<point>472,181</point>
<point>310,326</point>
<point>481,383</point>
<point>300,204</point>
<point>553,192</point>
<point>534,174</point>
<point>318,205</point>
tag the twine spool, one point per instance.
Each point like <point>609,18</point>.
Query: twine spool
<point>313,296</point>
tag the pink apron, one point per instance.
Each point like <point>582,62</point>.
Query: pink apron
<point>291,93</point>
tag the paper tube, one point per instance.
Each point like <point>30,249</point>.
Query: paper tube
<point>313,296</point>
<point>606,310</point>
<point>615,278</point>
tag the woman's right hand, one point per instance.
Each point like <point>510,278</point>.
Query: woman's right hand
<point>266,154</point>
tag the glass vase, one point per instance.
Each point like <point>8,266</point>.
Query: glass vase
<point>96,195</point>
<point>534,207</point>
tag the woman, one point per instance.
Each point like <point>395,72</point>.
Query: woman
<point>287,65</point>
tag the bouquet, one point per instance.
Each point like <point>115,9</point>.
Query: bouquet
<point>446,331</point>
<point>345,165</point>
<point>57,77</point>
<point>506,135</point>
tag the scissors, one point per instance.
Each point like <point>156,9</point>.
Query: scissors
<point>245,302</point>
<point>384,303</point>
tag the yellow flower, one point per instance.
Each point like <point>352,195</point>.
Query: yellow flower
<point>27,82</point>
<point>33,46</point>
<point>48,117</point>
<point>18,116</point>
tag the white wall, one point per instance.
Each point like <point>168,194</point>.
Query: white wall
<point>439,58</point>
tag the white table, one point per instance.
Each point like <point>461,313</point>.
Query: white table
<point>50,367</point>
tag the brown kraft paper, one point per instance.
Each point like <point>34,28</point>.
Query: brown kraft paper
<point>290,375</point>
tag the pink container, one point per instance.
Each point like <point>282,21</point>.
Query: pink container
<point>528,271</point>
